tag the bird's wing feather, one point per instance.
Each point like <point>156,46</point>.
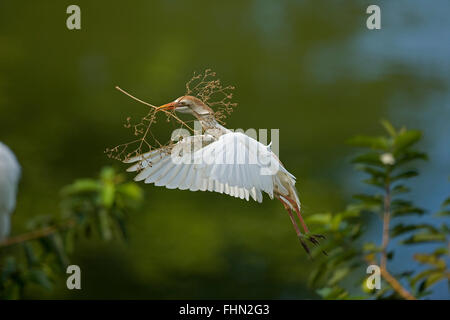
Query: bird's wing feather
<point>234,164</point>
<point>239,160</point>
<point>10,172</point>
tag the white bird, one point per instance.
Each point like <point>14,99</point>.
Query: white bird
<point>222,161</point>
<point>9,179</point>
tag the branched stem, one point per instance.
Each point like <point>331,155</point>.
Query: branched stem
<point>36,234</point>
<point>383,260</point>
<point>396,285</point>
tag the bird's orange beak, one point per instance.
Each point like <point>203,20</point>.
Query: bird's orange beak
<point>168,106</point>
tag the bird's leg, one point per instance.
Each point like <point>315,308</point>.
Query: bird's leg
<point>313,238</point>
<point>299,215</point>
<point>297,230</point>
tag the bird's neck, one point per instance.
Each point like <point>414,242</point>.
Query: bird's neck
<point>207,121</point>
<point>210,124</point>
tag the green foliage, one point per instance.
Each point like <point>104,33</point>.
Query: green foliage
<point>436,267</point>
<point>91,208</point>
<point>387,162</point>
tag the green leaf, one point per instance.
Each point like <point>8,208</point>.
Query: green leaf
<point>408,156</point>
<point>81,186</point>
<point>324,292</point>
<point>57,246</point>
<point>69,239</point>
<point>107,174</point>
<point>118,217</point>
<point>420,276</point>
<point>389,128</point>
<point>108,195</point>
<point>406,274</point>
<point>332,293</point>
<point>317,274</point>
<point>375,182</point>
<point>390,255</point>
<point>401,203</point>
<point>445,229</point>
<point>398,189</point>
<point>131,191</point>
<point>422,286</point>
<point>406,139</point>
<point>336,222</point>
<point>405,175</point>
<point>402,207</point>
<point>407,211</point>
<point>376,143</point>
<point>30,254</point>
<point>446,202</point>
<point>430,259</point>
<point>401,229</point>
<point>369,199</point>
<point>338,275</point>
<point>9,267</point>
<point>371,158</point>
<point>40,277</point>
<point>319,218</point>
<point>424,237</point>
<point>441,251</point>
<point>104,225</point>
<point>350,212</point>
<point>371,247</point>
<point>444,213</point>
<point>435,277</point>
<point>372,171</point>
<point>428,277</point>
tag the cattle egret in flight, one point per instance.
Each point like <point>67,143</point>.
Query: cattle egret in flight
<point>222,161</point>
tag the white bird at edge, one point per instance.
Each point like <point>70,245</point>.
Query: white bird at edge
<point>9,179</point>
<point>236,178</point>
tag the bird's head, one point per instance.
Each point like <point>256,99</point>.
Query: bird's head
<point>188,104</point>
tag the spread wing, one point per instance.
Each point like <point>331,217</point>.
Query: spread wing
<point>234,164</point>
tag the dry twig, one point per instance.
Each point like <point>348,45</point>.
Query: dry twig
<point>202,85</point>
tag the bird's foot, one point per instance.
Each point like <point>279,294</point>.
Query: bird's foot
<point>304,245</point>
<point>314,239</point>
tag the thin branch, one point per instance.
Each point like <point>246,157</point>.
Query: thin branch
<point>396,285</point>
<point>383,260</point>
<point>144,131</point>
<point>36,234</point>
<point>154,107</point>
<point>134,98</point>
<point>386,222</point>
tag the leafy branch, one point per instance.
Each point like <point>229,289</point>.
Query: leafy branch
<point>35,234</point>
<point>388,165</point>
<point>90,208</point>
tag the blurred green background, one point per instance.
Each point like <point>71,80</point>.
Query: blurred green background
<point>310,68</point>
